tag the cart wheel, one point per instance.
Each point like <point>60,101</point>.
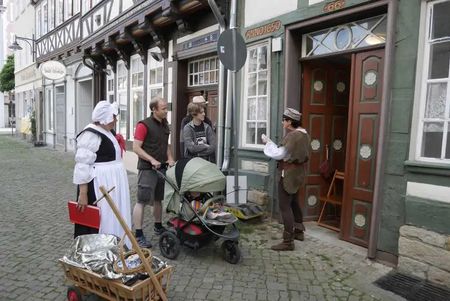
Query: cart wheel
<point>231,251</point>
<point>169,244</point>
<point>74,294</point>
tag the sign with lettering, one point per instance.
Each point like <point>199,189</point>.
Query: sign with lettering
<point>210,38</point>
<point>333,6</point>
<point>53,70</point>
<point>262,30</point>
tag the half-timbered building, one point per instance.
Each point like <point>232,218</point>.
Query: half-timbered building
<point>125,51</point>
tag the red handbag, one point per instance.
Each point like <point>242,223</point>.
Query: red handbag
<point>325,169</point>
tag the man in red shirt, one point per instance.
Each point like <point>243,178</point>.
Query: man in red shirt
<point>151,144</point>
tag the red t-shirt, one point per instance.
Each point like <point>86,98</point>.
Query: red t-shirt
<point>140,132</point>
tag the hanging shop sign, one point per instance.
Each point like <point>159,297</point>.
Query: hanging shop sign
<point>53,70</point>
<point>263,30</point>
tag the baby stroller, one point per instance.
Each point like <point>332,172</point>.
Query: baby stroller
<point>189,188</point>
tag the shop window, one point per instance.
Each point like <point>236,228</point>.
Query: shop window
<point>49,110</point>
<point>110,85</point>
<point>353,35</point>
<point>256,95</point>
<point>137,92</point>
<point>434,122</point>
<point>155,78</point>
<point>203,72</point>
<point>122,99</point>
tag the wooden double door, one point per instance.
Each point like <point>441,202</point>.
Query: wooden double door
<point>340,103</point>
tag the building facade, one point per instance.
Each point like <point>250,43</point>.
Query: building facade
<point>27,77</point>
<point>365,76</point>
<point>125,51</point>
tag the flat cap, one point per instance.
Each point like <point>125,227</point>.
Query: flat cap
<point>199,99</point>
<point>293,114</point>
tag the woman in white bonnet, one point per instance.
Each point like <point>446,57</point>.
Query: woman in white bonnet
<point>99,162</point>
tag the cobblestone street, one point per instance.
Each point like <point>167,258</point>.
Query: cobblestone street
<point>34,232</point>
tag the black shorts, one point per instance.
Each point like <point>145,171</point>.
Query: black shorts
<point>150,186</point>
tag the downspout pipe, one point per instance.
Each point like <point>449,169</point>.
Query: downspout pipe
<point>384,128</point>
<point>222,86</point>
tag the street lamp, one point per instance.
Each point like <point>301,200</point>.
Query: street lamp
<point>15,46</point>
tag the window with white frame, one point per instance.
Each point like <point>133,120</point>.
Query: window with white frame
<point>203,72</point>
<point>256,95</point>
<point>155,77</point>
<point>59,12</point>
<point>136,92</point>
<point>51,15</point>
<point>434,125</point>
<point>122,80</point>
<point>110,85</point>
<point>68,10</point>
<point>49,114</point>
<point>44,17</point>
<point>38,22</point>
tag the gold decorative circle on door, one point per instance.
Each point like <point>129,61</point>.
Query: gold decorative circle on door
<point>340,87</point>
<point>360,220</point>
<point>312,201</point>
<point>337,144</point>
<point>318,85</point>
<point>370,78</point>
<point>365,151</point>
<point>315,144</point>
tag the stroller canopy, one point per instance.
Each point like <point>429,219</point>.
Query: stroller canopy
<point>194,174</point>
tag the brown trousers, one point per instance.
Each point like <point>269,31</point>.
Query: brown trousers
<point>290,210</point>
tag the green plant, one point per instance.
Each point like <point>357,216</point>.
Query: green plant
<point>7,75</point>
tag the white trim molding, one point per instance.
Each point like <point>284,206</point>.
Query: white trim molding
<point>428,191</point>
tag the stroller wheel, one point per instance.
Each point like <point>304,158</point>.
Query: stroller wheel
<point>74,294</point>
<point>169,244</point>
<point>231,251</point>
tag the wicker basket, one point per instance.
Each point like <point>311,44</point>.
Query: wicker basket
<point>116,290</point>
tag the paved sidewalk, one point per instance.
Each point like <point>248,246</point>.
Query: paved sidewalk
<point>34,233</point>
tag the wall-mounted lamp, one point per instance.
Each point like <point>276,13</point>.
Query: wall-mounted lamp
<point>15,46</point>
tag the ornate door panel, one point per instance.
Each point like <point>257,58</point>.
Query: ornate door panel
<point>362,143</point>
<point>325,94</point>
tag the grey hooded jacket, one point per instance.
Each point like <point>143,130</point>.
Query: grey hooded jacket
<point>192,149</point>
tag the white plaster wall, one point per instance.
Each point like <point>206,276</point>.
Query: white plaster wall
<point>70,109</point>
<point>260,10</point>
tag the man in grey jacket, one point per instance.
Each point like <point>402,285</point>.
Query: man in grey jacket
<point>199,138</point>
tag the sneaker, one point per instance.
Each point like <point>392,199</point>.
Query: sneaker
<point>143,243</point>
<point>159,231</point>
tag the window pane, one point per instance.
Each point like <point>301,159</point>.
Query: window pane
<point>152,77</point>
<point>262,83</point>
<point>251,130</point>
<point>138,105</point>
<point>436,100</point>
<point>252,84</point>
<point>262,108</point>
<point>123,113</point>
<point>432,139</point>
<point>441,21</point>
<point>262,61</point>
<point>252,60</point>
<point>262,129</point>
<point>251,109</point>
<point>439,60</point>
<point>159,75</point>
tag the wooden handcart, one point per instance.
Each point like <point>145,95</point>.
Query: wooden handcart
<point>151,289</point>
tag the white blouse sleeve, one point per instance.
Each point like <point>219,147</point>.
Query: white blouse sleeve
<point>88,144</point>
<point>273,151</point>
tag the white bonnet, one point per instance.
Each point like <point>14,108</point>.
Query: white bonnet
<point>103,112</point>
